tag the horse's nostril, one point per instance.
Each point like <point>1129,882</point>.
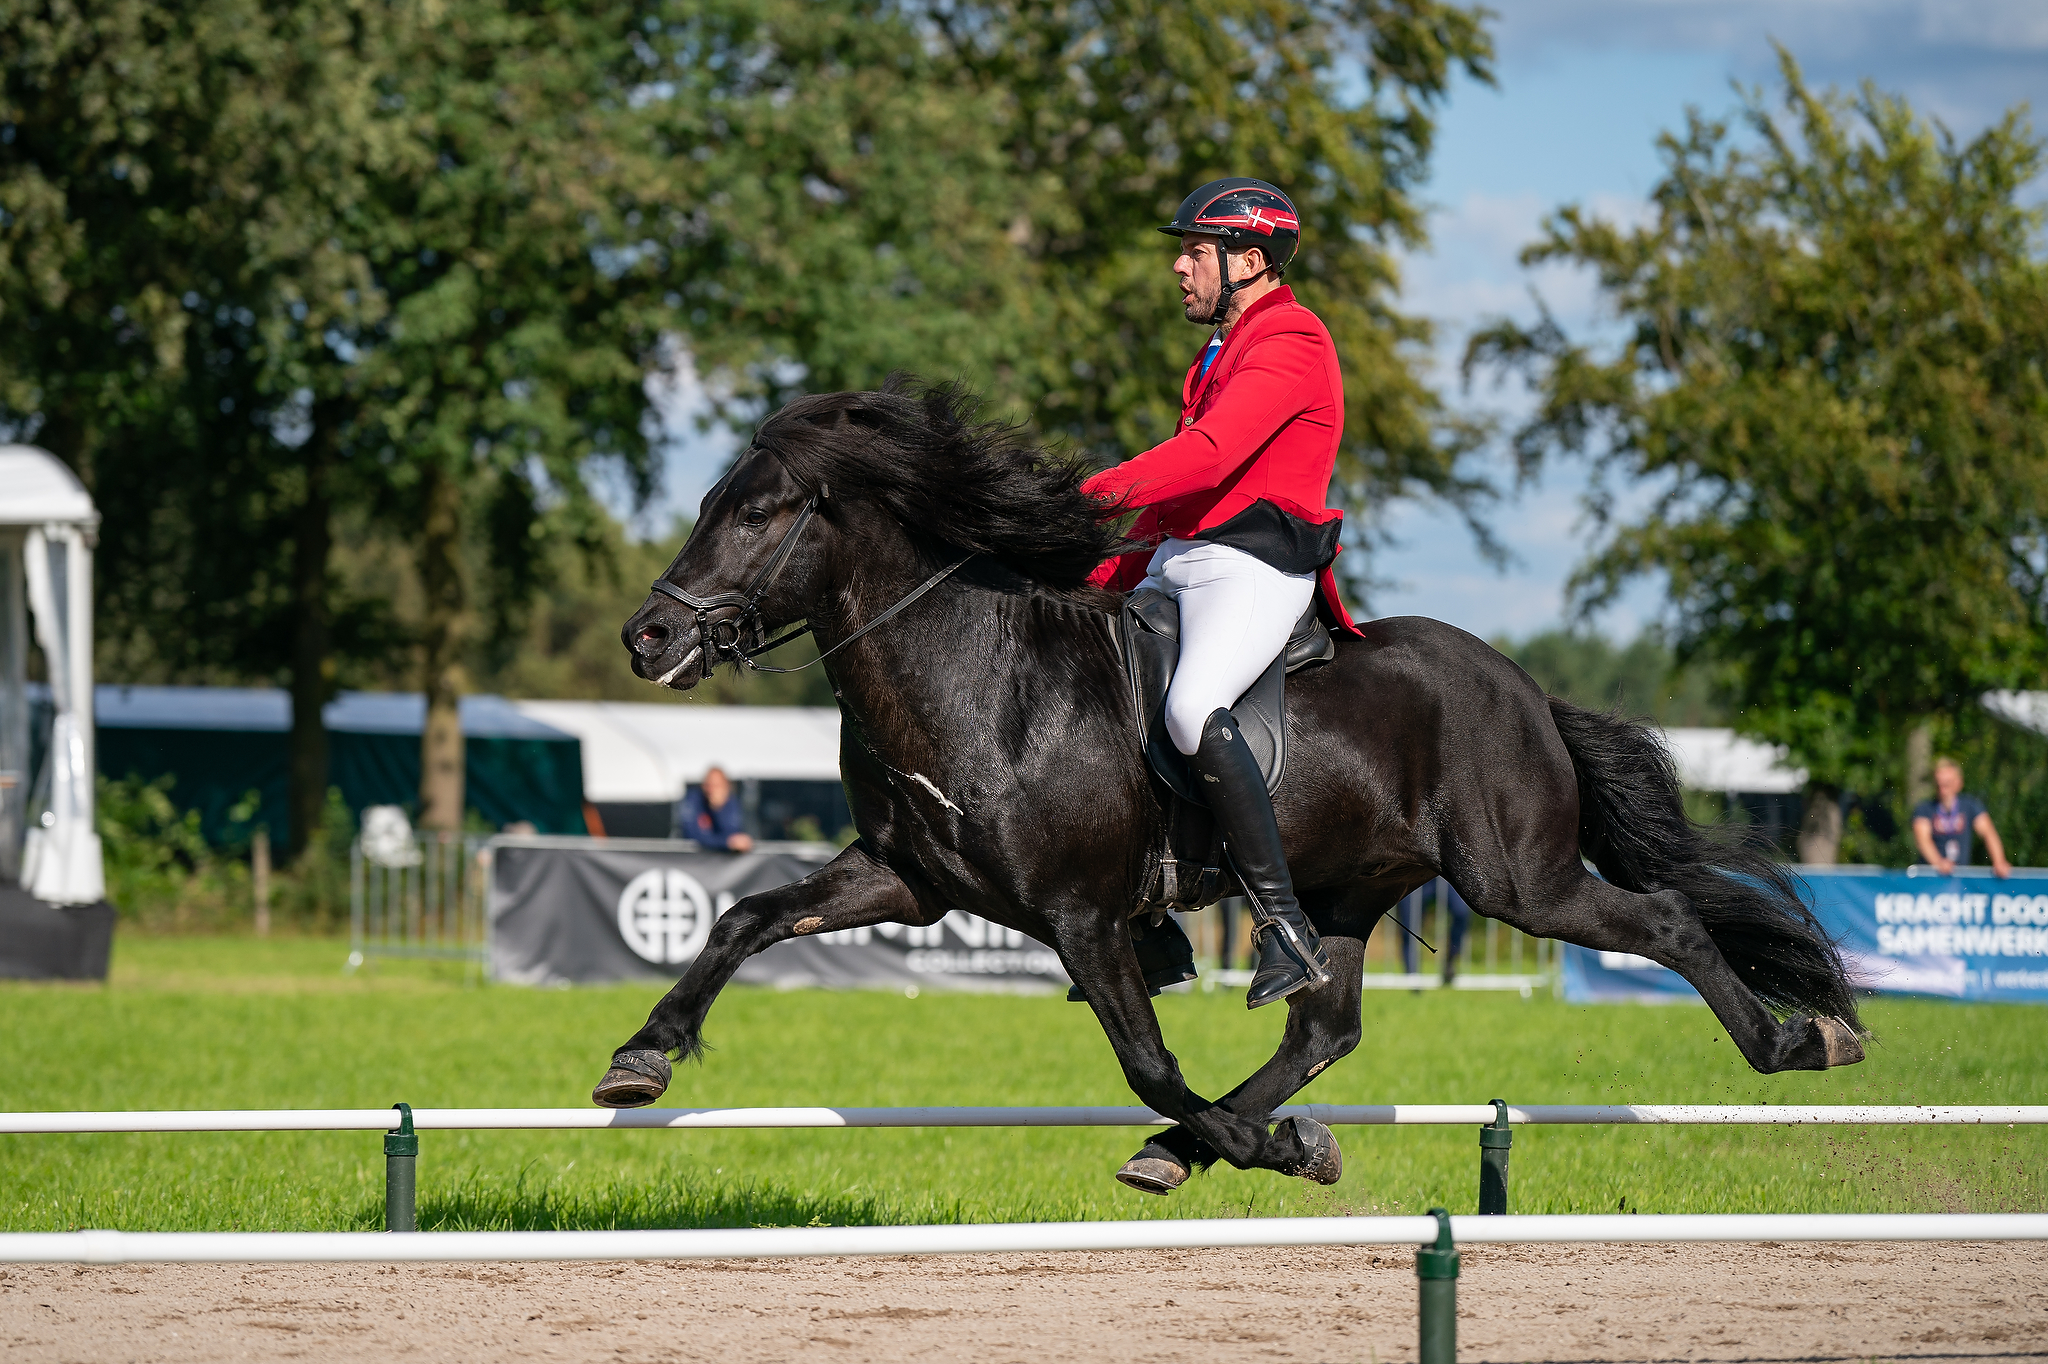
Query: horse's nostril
<point>651,633</point>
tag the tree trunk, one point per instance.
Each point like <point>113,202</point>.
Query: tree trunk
<point>1919,764</point>
<point>1820,828</point>
<point>312,671</point>
<point>441,757</point>
<point>259,879</point>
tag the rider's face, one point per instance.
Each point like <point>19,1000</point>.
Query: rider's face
<point>1201,279</point>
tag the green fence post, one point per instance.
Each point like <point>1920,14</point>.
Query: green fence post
<point>401,1156</point>
<point>1494,1142</point>
<point>1436,1273</point>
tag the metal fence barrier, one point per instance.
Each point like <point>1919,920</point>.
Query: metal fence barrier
<point>423,896</point>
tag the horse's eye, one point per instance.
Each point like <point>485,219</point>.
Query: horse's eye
<point>754,517</point>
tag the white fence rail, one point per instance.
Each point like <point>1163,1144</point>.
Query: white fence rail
<point>118,1247</point>
<point>1334,1115</point>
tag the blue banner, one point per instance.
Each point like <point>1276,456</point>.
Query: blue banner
<point>1959,937</point>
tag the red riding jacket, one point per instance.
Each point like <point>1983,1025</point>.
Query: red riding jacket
<point>1262,425</point>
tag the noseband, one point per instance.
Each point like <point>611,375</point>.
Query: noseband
<point>737,638</point>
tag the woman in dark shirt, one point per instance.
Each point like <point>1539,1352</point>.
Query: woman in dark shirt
<point>710,814</point>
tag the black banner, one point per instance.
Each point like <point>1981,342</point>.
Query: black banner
<point>571,911</point>
<point>53,942</point>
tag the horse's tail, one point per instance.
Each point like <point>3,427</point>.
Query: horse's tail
<point>1633,826</point>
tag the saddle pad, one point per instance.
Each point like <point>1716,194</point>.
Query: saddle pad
<point>1148,629</point>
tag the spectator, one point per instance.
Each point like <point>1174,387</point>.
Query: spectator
<point>710,814</point>
<point>1943,826</point>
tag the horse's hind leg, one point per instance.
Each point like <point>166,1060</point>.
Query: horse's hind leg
<point>1573,905</point>
<point>1322,1026</point>
<point>853,890</point>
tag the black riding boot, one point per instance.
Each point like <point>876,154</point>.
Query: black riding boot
<point>1290,957</point>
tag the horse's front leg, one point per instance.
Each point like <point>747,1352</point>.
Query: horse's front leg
<point>851,891</point>
<point>1097,953</point>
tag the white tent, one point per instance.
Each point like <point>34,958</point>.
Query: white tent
<point>2027,709</point>
<point>48,527</point>
<point>1719,760</point>
<point>636,752</point>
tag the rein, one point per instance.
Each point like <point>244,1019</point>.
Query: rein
<point>737,638</point>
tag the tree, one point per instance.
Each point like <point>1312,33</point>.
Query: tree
<point>1832,374</point>
<point>516,321</point>
<point>159,165</point>
<point>1640,678</point>
<point>1113,111</point>
<point>971,190</point>
<point>836,204</point>
<point>297,258</point>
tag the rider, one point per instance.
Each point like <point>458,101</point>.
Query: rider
<point>1235,503</point>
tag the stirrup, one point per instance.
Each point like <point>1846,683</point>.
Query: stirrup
<point>1298,966</point>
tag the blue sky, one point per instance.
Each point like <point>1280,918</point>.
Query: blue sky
<point>1584,88</point>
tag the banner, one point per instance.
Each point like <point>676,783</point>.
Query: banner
<point>579,910</point>
<point>1960,937</point>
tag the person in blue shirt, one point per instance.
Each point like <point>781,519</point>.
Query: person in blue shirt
<point>710,814</point>
<point>1943,826</point>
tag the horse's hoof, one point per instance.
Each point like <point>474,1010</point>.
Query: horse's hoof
<point>1320,1159</point>
<point>1844,1048</point>
<point>1154,1170</point>
<point>636,1079</point>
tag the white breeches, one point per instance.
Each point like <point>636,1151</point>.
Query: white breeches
<point>1235,616</point>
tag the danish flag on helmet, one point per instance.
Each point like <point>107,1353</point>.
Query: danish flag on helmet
<point>1244,213</point>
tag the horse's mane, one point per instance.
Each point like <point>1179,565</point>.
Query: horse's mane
<point>922,453</point>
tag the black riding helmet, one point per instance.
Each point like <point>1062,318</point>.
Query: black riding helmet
<point>1241,212</point>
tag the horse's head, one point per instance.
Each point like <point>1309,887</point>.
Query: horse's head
<point>745,568</point>
<point>844,486</point>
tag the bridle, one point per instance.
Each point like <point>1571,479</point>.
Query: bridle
<point>737,638</point>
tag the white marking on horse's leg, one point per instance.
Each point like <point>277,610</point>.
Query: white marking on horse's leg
<point>926,782</point>
<point>673,673</point>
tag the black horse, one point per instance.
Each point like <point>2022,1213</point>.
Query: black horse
<point>990,753</point>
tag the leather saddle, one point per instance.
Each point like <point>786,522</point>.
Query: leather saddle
<point>1148,635</point>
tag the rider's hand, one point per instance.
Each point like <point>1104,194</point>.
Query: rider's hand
<point>740,843</point>
<point>1941,864</point>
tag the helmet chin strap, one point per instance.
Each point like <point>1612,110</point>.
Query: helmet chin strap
<point>1229,288</point>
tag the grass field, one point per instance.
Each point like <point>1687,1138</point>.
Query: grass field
<point>239,1023</point>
